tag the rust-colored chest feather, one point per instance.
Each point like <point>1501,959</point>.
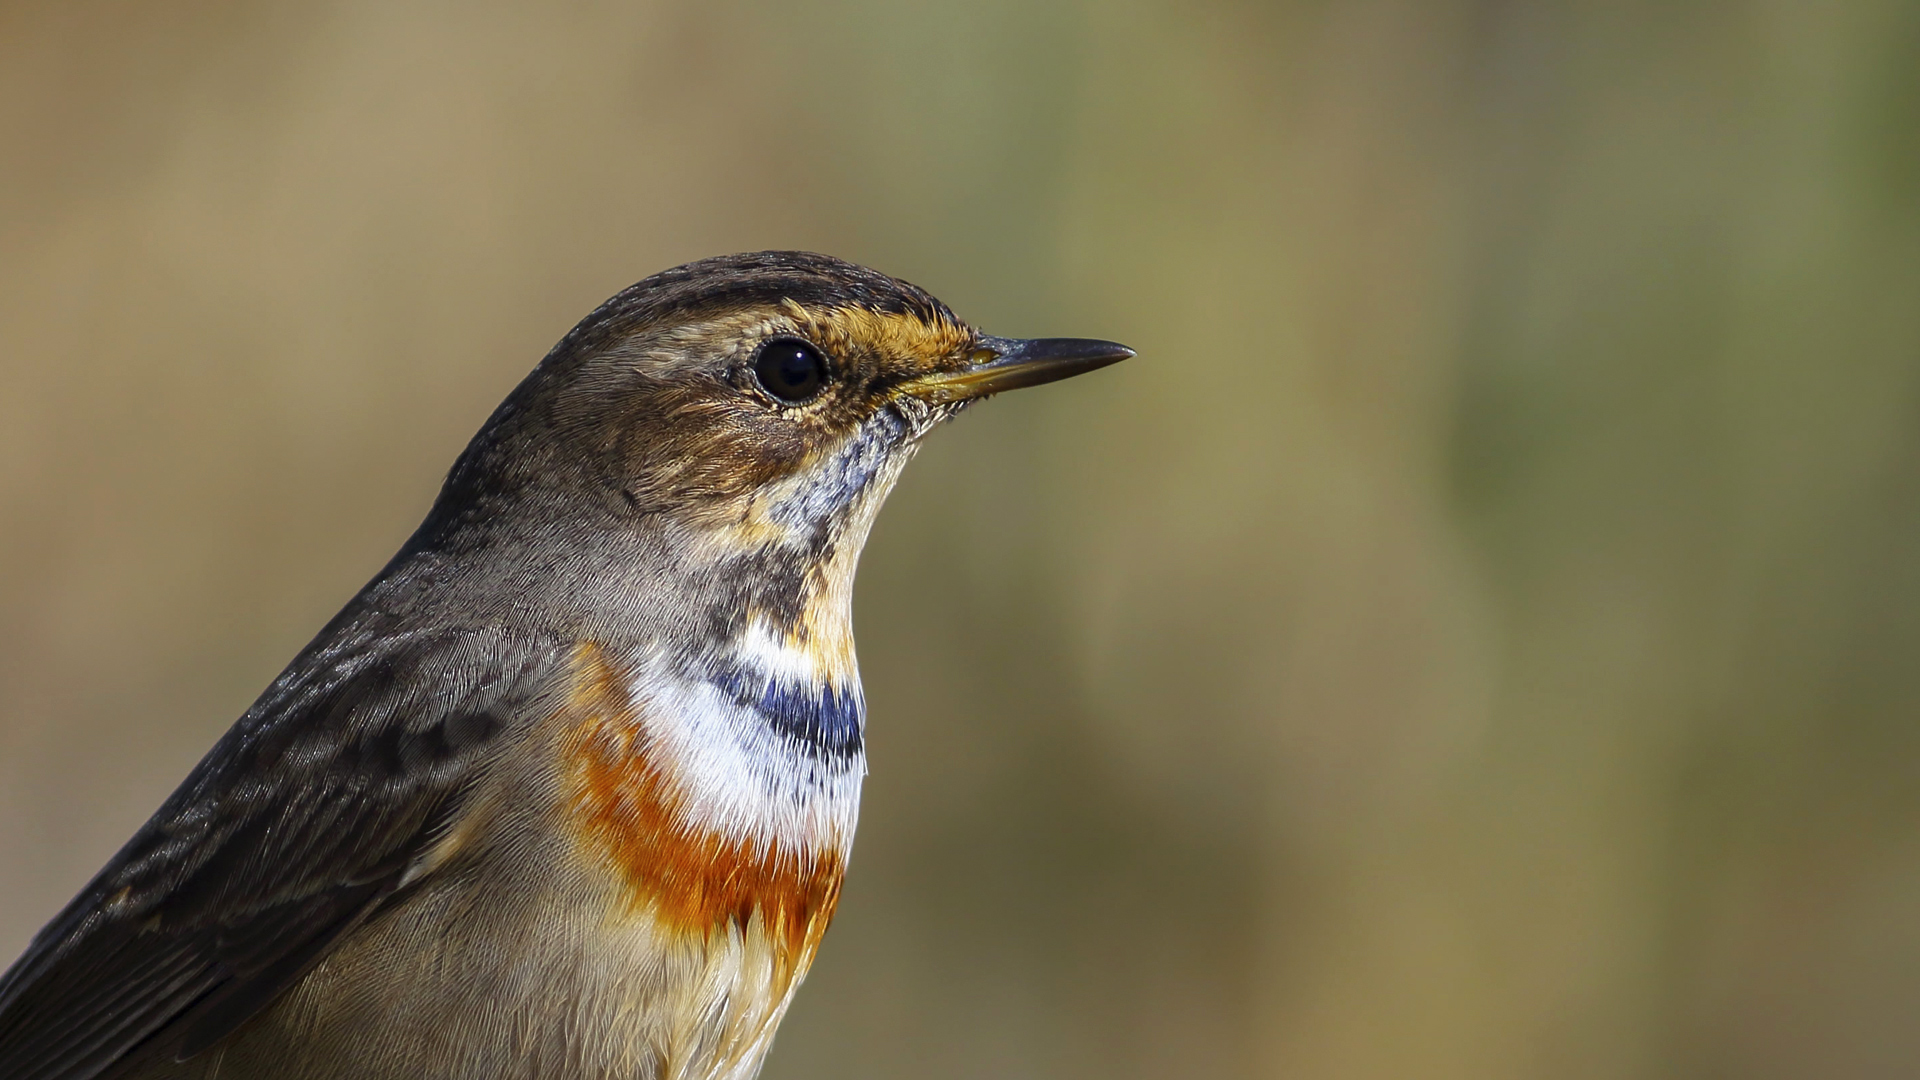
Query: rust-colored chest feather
<point>636,810</point>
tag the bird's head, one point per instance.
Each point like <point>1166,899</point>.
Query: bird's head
<point>700,459</point>
<point>746,402</point>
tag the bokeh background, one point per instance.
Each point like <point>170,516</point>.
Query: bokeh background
<point>1477,638</point>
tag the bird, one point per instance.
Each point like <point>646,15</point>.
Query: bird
<point>568,789</point>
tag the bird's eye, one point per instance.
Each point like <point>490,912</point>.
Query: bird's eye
<point>790,369</point>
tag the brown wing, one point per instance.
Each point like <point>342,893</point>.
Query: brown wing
<point>297,826</point>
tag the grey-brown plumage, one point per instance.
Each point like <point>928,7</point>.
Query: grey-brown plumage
<point>567,789</point>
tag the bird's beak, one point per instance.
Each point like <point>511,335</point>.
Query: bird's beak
<point>1012,363</point>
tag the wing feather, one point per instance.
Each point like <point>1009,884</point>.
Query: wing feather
<point>296,827</point>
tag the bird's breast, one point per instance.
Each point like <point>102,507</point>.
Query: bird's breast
<point>711,821</point>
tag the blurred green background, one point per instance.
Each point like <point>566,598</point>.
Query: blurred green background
<point>1479,637</point>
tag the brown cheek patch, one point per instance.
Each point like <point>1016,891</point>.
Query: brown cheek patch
<point>694,440</point>
<point>692,879</point>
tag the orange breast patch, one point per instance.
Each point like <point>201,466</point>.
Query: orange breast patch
<point>629,806</point>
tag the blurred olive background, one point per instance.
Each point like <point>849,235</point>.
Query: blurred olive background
<point>1476,638</point>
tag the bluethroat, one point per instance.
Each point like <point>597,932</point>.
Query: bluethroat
<point>568,790</point>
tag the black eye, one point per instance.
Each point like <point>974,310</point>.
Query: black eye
<point>790,369</point>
